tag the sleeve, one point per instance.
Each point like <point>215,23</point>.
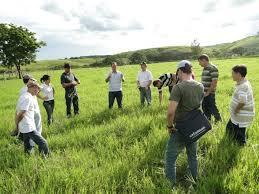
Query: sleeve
<point>62,79</point>
<point>25,104</point>
<point>175,94</point>
<point>214,73</point>
<point>242,96</point>
<point>150,76</point>
<point>137,77</point>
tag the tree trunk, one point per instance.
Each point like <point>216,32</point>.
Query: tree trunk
<point>18,67</point>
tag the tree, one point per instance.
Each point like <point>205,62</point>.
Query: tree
<point>196,48</point>
<point>137,58</point>
<point>239,50</point>
<point>18,46</point>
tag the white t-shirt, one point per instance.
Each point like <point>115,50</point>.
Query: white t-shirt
<point>25,103</point>
<point>48,91</point>
<point>35,100</point>
<point>115,82</point>
<point>144,77</point>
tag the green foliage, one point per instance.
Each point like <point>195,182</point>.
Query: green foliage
<point>137,58</point>
<point>122,151</point>
<point>18,46</point>
<point>196,49</point>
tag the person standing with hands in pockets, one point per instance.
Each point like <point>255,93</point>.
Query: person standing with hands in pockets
<point>144,80</point>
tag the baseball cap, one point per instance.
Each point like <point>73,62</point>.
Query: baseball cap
<point>26,76</point>
<point>183,63</point>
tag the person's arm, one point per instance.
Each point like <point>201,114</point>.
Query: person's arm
<point>76,80</point>
<point>160,97</point>
<point>122,78</point>
<point>19,117</point>
<point>108,77</point>
<point>41,97</point>
<point>150,79</point>
<point>242,100</point>
<point>214,76</point>
<point>171,115</point>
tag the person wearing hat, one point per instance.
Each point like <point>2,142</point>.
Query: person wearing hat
<point>37,116</point>
<point>165,80</point>
<point>69,82</point>
<point>144,80</point>
<point>186,96</point>
<point>209,79</point>
<point>25,122</point>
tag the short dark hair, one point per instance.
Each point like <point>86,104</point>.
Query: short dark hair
<point>242,69</point>
<point>187,69</point>
<point>204,56</point>
<point>67,65</point>
<point>44,78</point>
<point>155,82</point>
<point>143,63</point>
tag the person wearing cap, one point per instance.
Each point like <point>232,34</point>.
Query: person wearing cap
<point>186,96</point>
<point>144,81</point>
<point>115,79</point>
<point>37,116</point>
<point>69,82</point>
<point>25,122</point>
<point>165,80</point>
<point>209,80</point>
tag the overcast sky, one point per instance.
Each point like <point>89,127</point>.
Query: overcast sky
<point>90,27</point>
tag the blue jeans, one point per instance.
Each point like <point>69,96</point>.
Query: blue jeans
<point>145,94</point>
<point>174,146</point>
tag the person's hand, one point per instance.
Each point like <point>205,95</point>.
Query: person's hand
<point>206,94</point>
<point>236,111</point>
<point>45,98</point>
<point>74,83</point>
<point>147,88</point>
<point>171,130</point>
<point>14,132</point>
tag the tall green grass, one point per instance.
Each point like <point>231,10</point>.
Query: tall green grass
<point>122,151</point>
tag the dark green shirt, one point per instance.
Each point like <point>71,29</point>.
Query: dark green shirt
<point>209,73</point>
<point>189,95</point>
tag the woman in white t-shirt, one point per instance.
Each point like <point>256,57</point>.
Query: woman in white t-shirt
<point>48,92</point>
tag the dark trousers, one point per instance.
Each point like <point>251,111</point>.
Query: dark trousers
<point>118,95</point>
<point>209,107</point>
<point>34,136</point>
<point>236,132</point>
<point>49,107</point>
<point>72,100</point>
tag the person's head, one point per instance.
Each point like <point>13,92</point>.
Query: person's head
<point>239,72</point>
<point>33,88</point>
<point>184,70</point>
<point>203,60</point>
<point>143,66</point>
<point>114,66</point>
<point>67,67</point>
<point>45,79</point>
<point>157,83</point>
<point>26,78</point>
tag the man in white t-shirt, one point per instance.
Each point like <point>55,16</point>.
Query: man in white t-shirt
<point>115,79</point>
<point>26,80</point>
<point>144,80</point>
<point>25,122</point>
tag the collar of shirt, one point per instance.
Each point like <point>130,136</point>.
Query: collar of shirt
<point>241,82</point>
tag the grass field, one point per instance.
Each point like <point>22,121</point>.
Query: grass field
<point>122,151</point>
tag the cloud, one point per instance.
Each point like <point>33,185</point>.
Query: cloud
<point>227,24</point>
<point>210,6</point>
<point>242,2</point>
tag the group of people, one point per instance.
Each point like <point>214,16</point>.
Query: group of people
<point>186,94</point>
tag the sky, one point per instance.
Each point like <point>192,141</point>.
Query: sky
<point>101,27</point>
